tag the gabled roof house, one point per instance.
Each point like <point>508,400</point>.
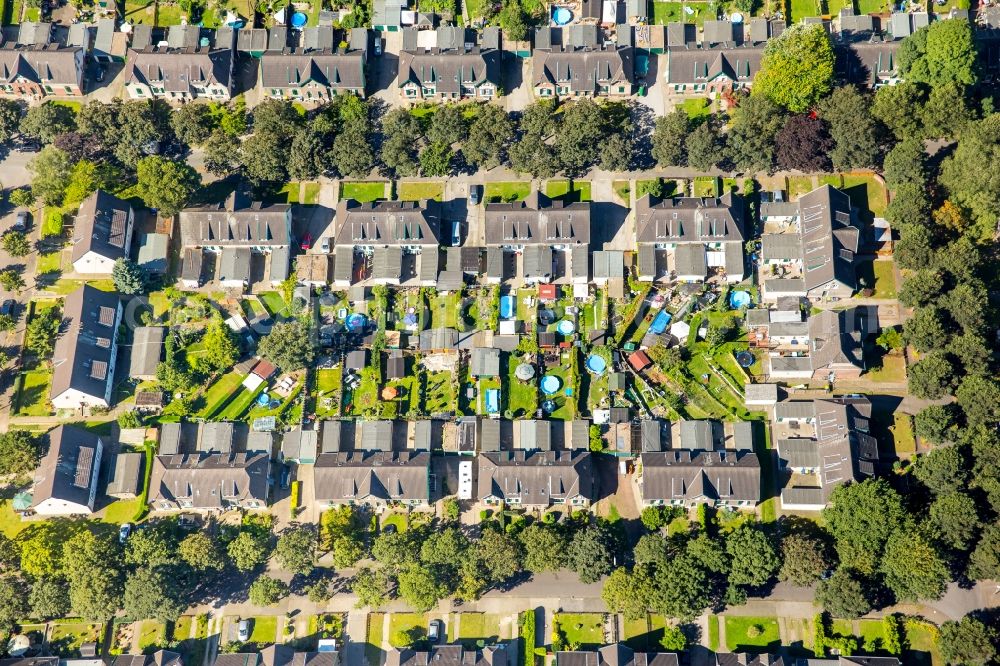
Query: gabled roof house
<point>459,64</point>
<point>66,478</point>
<point>102,233</point>
<point>85,352</point>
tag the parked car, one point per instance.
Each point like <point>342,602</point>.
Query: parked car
<point>456,233</point>
<point>123,532</point>
<point>324,245</point>
<point>8,307</point>
<point>307,241</point>
<point>21,221</point>
<point>99,75</point>
<point>474,195</point>
<point>243,634</point>
<point>286,477</point>
<point>434,631</point>
<point>378,46</point>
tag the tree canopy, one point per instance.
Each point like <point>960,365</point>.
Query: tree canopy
<point>796,70</point>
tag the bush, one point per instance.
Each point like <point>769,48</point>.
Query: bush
<point>754,630</point>
<point>130,419</point>
<point>52,224</point>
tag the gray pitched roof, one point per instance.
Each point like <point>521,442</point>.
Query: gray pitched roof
<point>124,479</point>
<point>693,475</point>
<point>101,226</point>
<point>583,70</point>
<point>485,362</point>
<point>689,219</point>
<point>147,347</point>
<point>701,65</point>
<point>837,337</point>
<point>49,64</point>
<point>330,69</point>
<point>450,65</point>
<point>207,480</point>
<point>82,359</point>
<point>384,223</point>
<point>70,467</point>
<point>180,64</point>
<point>868,62</point>
<point>236,222</point>
<point>536,477</point>
<point>383,475</point>
<point>831,235</point>
<point>609,264</point>
<point>538,220</point>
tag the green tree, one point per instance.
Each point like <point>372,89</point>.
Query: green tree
<point>979,398</point>
<point>673,640</point>
<point>289,345</point>
<point>490,134</point>
<point>221,350</point>
<point>754,560</point>
<point>448,125</point>
<point>220,157</point>
<point>193,123</point>
<point>710,553</point>
<point>40,333</point>
<point>912,567</point>
<point>512,21</point>
<point>267,591</point>
<point>963,177</point>
<point>401,138</point>
<point>935,423</point>
<point>852,128</point>
<point>13,601</point>
<point>704,147</point>
<point>803,559</point>
<point>942,52</point>
<point>984,561</point>
<point>42,551</point>
<point>751,140</point>
<point>201,552</point>
<point>651,549</point>
<point>591,553</point>
<point>296,550</point>
<point>932,376</point>
<point>19,453</point>
<point>265,157</point>
<point>11,113</point>
<point>166,185</point>
<point>954,520</point>
<point>128,277</point>
<point>796,70</point>
<point>907,161</point>
<point>153,547</point>
<point>926,330</point>
<point>896,107</point>
<point>544,547</point>
<point>307,155</point>
<point>47,121</point>
<point>49,598</point>
<point>139,128</point>
<point>152,593</point>
<point>248,550</point>
<point>21,197</point>
<point>347,550</point>
<point>500,556</point>
<point>421,588</point>
<point>11,280</point>
<point>860,517</point>
<point>680,589</point>
<point>95,586</point>
<point>946,112</point>
<point>371,587</point>
<point>351,154</point>
<point>446,547</point>
<point>435,159</point>
<point>50,174</point>
<point>628,592</point>
<point>968,642</point>
<point>669,137</point>
<point>843,595</point>
<point>943,470</point>
<point>16,244</point>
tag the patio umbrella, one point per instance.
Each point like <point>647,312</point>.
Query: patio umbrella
<point>524,371</point>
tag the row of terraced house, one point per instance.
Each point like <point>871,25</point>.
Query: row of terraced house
<point>187,62</point>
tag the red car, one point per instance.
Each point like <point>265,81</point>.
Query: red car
<point>307,241</point>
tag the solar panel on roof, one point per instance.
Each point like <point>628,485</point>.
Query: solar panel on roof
<point>99,370</point>
<point>106,316</point>
<point>84,466</point>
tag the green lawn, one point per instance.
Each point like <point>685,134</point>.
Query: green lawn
<point>219,392</point>
<point>50,262</point>
<point>33,397</point>
<point>569,190</point>
<point>902,433</point>
<point>122,511</point>
<point>866,192</point>
<point>73,106</point>
<point>182,628</point>
<point>239,404</point>
<point>64,287</point>
<point>803,8</point>
<point>10,523</point>
<point>406,622</point>
<point>418,191</point>
<point>739,632</point>
<point>327,386</point>
<point>274,303</point>
<point>713,633</point>
<point>439,395</point>
<point>363,191</point>
<point>310,194</point>
<point>706,186</point>
<point>645,634</point>
<point>373,638</point>
<point>473,627</point>
<point>397,519</point>
<point>152,633</point>
<point>799,185</point>
<point>509,191</point>
<point>921,641</point>
<point>288,194</point>
<point>66,636</point>
<point>565,404</point>
<point>698,107</point>
<point>265,629</point>
<point>522,397</point>
<point>585,630</point>
<point>168,14</point>
<point>871,635</point>
<point>667,12</point>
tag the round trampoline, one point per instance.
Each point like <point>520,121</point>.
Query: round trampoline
<point>745,359</point>
<point>566,327</point>
<point>739,299</point>
<point>548,406</point>
<point>299,19</point>
<point>596,364</point>
<point>524,371</point>
<point>550,384</point>
<point>736,18</point>
<point>356,322</point>
<point>264,399</point>
<point>546,317</point>
<point>561,15</point>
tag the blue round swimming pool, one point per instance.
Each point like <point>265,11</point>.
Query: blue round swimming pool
<point>561,15</point>
<point>550,384</point>
<point>566,327</point>
<point>596,364</point>
<point>299,19</point>
<point>263,399</point>
<point>739,299</point>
